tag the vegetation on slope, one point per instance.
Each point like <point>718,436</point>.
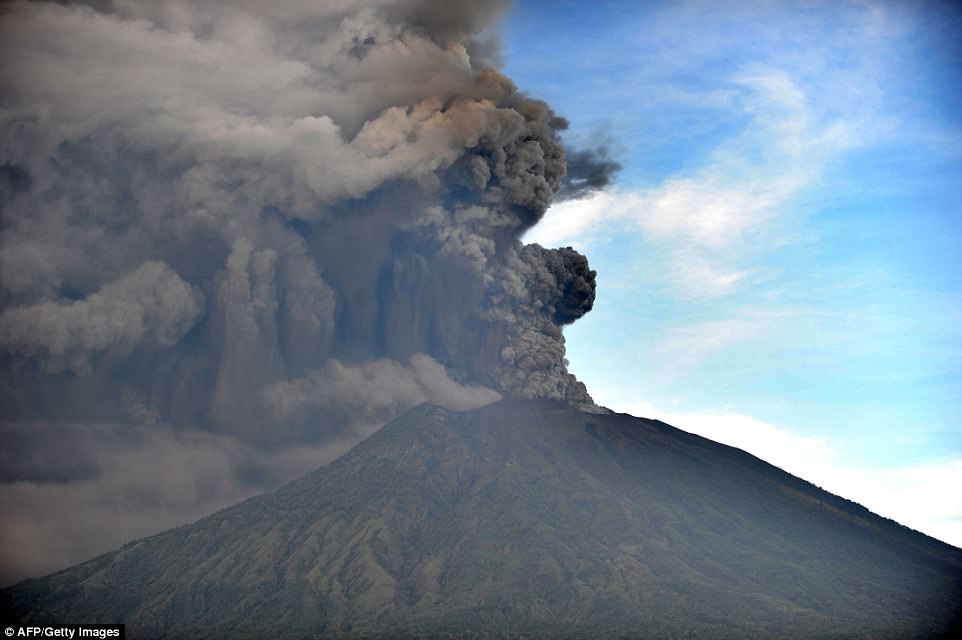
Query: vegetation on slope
<point>524,519</point>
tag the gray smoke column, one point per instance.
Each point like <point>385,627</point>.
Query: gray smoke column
<point>239,236</point>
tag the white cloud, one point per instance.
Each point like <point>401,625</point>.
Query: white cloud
<point>707,212</point>
<point>695,275</point>
<point>583,221</point>
<point>923,496</point>
<point>814,87</point>
<point>703,218</point>
<point>685,347</point>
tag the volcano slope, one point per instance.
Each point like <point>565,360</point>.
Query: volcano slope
<point>523,519</point>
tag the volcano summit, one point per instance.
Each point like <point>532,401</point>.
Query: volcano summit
<point>525,518</point>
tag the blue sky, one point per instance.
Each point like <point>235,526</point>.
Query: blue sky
<point>780,261</point>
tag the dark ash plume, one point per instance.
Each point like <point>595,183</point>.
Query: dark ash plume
<point>588,170</point>
<point>243,237</point>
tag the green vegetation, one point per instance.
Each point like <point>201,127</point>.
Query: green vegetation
<point>524,519</point>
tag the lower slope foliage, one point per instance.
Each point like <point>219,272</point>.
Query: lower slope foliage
<point>523,519</point>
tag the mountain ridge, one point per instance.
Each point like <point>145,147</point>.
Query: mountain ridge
<point>524,518</point>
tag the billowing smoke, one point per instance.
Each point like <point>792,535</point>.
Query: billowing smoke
<point>588,171</point>
<point>235,238</point>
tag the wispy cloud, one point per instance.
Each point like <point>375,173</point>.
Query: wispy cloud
<point>686,347</point>
<point>796,159</point>
<point>702,219</point>
<point>763,132</point>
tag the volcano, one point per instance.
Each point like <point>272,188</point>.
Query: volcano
<point>524,518</point>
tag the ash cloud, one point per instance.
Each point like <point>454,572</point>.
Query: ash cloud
<point>238,237</point>
<point>589,170</point>
<point>151,305</point>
